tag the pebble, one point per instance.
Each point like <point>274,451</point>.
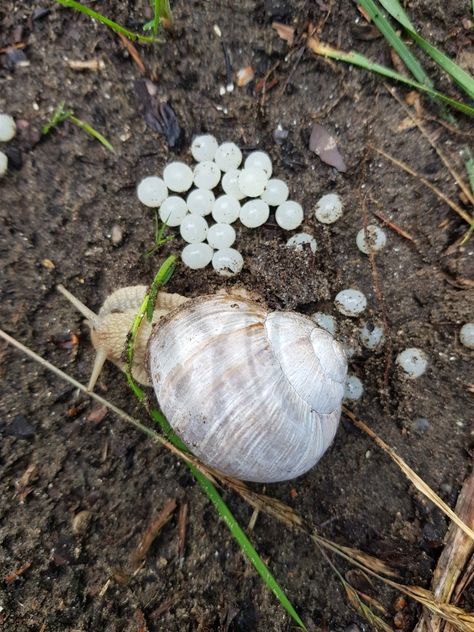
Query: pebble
<point>116,235</point>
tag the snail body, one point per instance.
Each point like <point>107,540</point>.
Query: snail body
<point>253,393</point>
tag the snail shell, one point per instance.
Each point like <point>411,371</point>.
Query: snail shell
<point>255,394</point>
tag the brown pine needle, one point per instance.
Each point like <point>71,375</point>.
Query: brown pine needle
<point>152,532</point>
<point>412,476</point>
<point>456,208</point>
<point>444,159</point>
<point>395,227</point>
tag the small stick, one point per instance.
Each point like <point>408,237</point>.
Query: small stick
<point>182,518</point>
<point>133,53</point>
<point>457,209</point>
<point>152,533</point>
<point>395,227</point>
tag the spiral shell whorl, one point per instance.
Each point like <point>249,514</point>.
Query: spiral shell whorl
<point>245,388</point>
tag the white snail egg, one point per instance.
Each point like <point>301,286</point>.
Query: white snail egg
<point>276,192</point>
<point>252,182</point>
<point>254,213</point>
<point>204,147</point>
<point>228,156</point>
<point>173,210</point>
<point>289,215</point>
<point>227,261</point>
<point>230,184</point>
<point>353,389</point>
<point>178,176</point>
<point>197,256</point>
<point>371,239</point>
<point>200,201</point>
<point>206,175</point>
<point>193,229</point>
<point>413,361</point>
<point>7,128</point>
<point>325,321</point>
<point>350,302</point>
<point>259,160</point>
<point>371,336</point>
<point>466,335</point>
<point>3,163</point>
<point>226,209</point>
<point>152,191</point>
<point>329,209</point>
<point>297,241</point>
<point>221,236</point>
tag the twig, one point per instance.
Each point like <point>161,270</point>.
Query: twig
<point>152,533</point>
<point>457,209</point>
<point>182,518</point>
<point>395,227</point>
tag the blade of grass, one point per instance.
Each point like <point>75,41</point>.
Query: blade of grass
<point>458,74</point>
<point>357,59</point>
<point>58,116</point>
<point>77,6</point>
<point>91,131</point>
<point>161,277</point>
<point>387,30</point>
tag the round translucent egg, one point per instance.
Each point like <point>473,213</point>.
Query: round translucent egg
<point>353,389</point>
<point>297,242</point>
<point>178,176</point>
<point>226,209</point>
<point>3,164</point>
<point>204,148</point>
<point>228,156</point>
<point>371,336</point>
<point>230,184</point>
<point>227,261</point>
<point>259,160</point>
<point>466,335</point>
<point>350,302</point>
<point>200,201</point>
<point>413,361</point>
<point>221,236</point>
<point>289,215</point>
<point>252,182</point>
<point>254,213</point>
<point>173,210</point>
<point>193,229</point>
<point>329,209</point>
<point>325,321</point>
<point>276,192</point>
<point>197,256</point>
<point>371,239</point>
<point>7,128</point>
<point>152,191</point>
<point>206,175</point>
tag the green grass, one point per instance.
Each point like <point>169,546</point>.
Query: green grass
<point>421,81</point>
<point>77,6</point>
<point>60,115</point>
<point>146,311</point>
<point>161,13</point>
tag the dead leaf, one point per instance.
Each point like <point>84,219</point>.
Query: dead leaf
<point>97,414</point>
<point>324,145</point>
<point>285,32</point>
<point>159,115</point>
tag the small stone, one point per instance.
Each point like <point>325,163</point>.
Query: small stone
<point>20,428</point>
<point>116,235</point>
<point>48,264</point>
<point>81,522</point>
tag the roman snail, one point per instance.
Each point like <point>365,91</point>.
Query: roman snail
<point>254,393</point>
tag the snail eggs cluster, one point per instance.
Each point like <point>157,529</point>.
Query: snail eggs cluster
<point>248,193</point>
<point>7,132</point>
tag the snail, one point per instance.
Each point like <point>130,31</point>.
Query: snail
<point>256,394</point>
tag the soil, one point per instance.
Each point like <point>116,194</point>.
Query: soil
<point>78,492</point>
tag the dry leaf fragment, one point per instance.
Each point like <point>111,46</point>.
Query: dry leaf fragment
<point>97,414</point>
<point>244,76</point>
<point>285,32</point>
<point>324,145</point>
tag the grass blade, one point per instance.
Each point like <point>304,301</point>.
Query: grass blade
<point>387,30</point>
<point>162,276</point>
<point>77,6</point>
<point>91,131</point>
<point>363,62</point>
<point>464,80</point>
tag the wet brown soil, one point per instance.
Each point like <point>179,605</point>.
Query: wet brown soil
<point>76,495</point>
